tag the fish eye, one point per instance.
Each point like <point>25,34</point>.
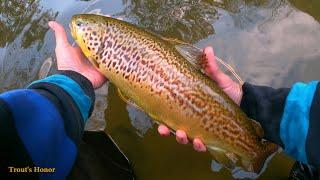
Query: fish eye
<point>79,23</point>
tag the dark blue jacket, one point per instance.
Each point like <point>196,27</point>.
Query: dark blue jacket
<point>289,117</point>
<point>42,125</point>
<point>42,129</point>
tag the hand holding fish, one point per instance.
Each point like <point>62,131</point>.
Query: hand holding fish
<point>72,58</point>
<point>231,88</point>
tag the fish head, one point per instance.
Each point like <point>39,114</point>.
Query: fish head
<point>88,31</point>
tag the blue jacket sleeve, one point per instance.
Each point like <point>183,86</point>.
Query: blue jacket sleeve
<point>289,117</point>
<point>43,124</point>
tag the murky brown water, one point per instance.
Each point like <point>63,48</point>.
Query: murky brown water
<point>269,42</point>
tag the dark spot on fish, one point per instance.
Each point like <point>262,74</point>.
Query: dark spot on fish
<point>144,73</point>
<point>109,44</point>
<point>128,69</point>
<point>114,64</point>
<point>90,38</point>
<point>124,48</point>
<point>118,47</point>
<point>134,55</point>
<point>95,44</point>
<point>126,57</point>
<point>134,49</point>
<point>94,33</point>
<point>122,66</point>
<point>89,48</point>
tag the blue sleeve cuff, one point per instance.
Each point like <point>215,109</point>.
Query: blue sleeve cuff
<point>294,124</point>
<point>73,89</point>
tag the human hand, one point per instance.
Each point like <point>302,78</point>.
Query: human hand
<point>72,58</point>
<point>231,88</point>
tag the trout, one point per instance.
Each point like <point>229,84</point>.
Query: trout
<point>156,75</point>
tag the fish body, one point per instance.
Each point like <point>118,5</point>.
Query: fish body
<point>150,72</point>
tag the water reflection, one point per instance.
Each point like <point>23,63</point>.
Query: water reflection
<point>22,24</point>
<point>14,17</point>
<point>38,29</point>
<point>186,20</point>
<point>271,43</point>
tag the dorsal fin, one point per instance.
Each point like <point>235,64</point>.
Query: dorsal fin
<point>194,55</point>
<point>188,51</point>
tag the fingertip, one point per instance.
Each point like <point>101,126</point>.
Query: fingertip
<point>163,130</point>
<point>209,52</point>
<point>198,145</point>
<point>181,137</point>
<point>60,34</point>
<point>51,24</point>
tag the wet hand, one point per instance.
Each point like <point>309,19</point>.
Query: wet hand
<point>231,88</point>
<point>72,58</point>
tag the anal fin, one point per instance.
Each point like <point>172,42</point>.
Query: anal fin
<point>226,159</point>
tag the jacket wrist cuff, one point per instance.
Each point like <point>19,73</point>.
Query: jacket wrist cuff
<point>83,82</point>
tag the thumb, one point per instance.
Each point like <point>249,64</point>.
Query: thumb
<point>213,71</point>
<point>60,34</point>
<point>211,66</point>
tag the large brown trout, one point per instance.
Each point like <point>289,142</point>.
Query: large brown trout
<point>153,73</point>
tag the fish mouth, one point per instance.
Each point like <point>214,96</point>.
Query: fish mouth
<point>73,32</point>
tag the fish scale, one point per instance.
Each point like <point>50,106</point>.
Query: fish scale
<point>152,74</point>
